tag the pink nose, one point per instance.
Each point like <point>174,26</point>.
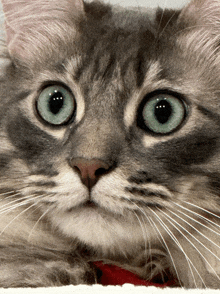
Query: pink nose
<point>89,170</point>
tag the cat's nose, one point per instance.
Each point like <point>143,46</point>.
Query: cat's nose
<point>90,170</point>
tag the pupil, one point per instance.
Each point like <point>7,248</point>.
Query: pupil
<point>56,102</point>
<point>163,111</point>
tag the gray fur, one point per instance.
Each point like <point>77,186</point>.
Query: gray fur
<point>153,207</point>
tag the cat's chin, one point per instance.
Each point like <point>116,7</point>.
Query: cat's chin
<point>99,228</point>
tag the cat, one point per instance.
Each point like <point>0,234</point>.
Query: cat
<point>109,143</point>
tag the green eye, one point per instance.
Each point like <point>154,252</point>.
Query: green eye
<point>163,113</point>
<point>56,105</point>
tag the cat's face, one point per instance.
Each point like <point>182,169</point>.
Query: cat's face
<point>110,124</point>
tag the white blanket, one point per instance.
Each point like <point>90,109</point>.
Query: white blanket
<point>97,289</point>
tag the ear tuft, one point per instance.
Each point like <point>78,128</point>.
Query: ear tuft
<point>25,17</point>
<point>202,13</point>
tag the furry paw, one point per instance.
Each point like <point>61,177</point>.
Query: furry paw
<point>47,270</point>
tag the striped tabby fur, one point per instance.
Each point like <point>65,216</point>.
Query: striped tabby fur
<point>101,184</point>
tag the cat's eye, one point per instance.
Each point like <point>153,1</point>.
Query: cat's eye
<point>162,113</point>
<point>56,105</point>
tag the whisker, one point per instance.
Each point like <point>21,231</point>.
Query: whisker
<point>15,176</point>
<point>203,209</point>
<point>167,248</point>
<point>147,239</point>
<point>143,212</point>
<point>21,203</point>
<point>22,212</point>
<point>13,207</point>
<point>7,193</point>
<point>200,223</point>
<point>197,214</point>
<point>191,242</point>
<point>17,200</point>
<point>199,233</point>
<point>188,259</point>
<point>37,222</point>
<point>11,195</point>
<point>149,249</point>
<point>174,238</point>
<point>143,231</point>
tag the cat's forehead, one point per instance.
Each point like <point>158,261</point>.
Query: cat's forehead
<point>118,52</point>
<point>127,47</point>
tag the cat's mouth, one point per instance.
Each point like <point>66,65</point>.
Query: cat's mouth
<point>90,204</point>
<point>86,204</point>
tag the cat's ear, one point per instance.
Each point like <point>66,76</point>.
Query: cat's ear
<point>24,17</point>
<point>204,13</point>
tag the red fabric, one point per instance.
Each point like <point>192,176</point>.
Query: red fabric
<point>114,275</point>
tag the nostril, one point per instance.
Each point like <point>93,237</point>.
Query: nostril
<point>77,169</point>
<point>100,171</point>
